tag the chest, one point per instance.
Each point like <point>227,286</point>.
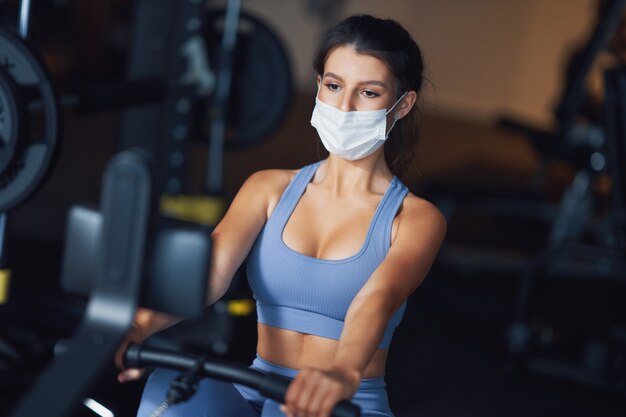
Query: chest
<point>329,228</point>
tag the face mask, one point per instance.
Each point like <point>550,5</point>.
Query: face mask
<point>354,134</point>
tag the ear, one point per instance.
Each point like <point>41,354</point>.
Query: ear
<point>406,104</point>
<point>319,80</point>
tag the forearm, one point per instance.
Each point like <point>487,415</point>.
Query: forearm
<point>363,330</point>
<point>226,258</point>
<point>149,322</point>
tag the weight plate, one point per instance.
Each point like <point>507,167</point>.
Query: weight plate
<point>261,86</point>
<point>11,114</point>
<point>38,121</point>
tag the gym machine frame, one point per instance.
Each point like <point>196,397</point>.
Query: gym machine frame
<point>112,253</point>
<point>582,145</point>
<point>575,260</point>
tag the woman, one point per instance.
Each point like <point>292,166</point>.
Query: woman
<point>333,249</point>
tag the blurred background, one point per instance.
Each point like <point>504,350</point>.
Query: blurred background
<point>522,313</point>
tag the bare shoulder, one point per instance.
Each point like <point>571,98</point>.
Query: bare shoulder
<point>270,183</point>
<point>271,177</point>
<point>419,213</point>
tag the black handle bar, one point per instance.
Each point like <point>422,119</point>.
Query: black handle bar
<point>271,385</point>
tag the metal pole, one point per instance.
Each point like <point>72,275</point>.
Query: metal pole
<point>220,104</point>
<point>22,28</point>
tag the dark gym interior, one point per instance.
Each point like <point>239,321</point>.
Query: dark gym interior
<point>522,314</point>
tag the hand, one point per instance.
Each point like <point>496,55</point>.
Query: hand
<point>134,336</point>
<point>315,392</point>
<point>146,323</point>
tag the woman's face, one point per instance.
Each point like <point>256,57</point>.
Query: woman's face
<point>353,81</point>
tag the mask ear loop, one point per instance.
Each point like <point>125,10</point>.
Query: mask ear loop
<point>394,104</point>
<point>396,116</point>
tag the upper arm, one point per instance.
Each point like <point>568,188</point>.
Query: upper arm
<point>235,234</point>
<point>420,234</point>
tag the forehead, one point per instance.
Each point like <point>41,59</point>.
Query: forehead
<point>349,64</point>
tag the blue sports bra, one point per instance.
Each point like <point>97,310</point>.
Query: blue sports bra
<point>310,295</point>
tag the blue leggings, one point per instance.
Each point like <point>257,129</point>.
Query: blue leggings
<point>224,399</point>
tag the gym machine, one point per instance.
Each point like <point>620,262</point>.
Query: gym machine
<point>581,144</point>
<point>584,276</point>
<point>107,252</point>
<point>176,62</point>
<point>29,146</point>
<point>169,275</point>
<point>589,353</point>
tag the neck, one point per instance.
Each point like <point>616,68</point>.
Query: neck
<point>343,177</point>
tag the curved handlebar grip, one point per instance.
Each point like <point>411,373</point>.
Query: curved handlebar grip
<point>271,385</point>
<point>132,357</point>
<point>274,387</point>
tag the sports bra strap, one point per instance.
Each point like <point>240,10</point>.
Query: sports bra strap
<point>293,192</point>
<point>389,208</point>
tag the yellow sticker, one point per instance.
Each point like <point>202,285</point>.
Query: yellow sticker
<point>5,278</point>
<point>201,209</point>
<point>242,307</point>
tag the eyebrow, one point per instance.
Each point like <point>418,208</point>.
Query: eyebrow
<point>368,82</point>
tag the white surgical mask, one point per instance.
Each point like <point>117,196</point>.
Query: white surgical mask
<point>351,134</point>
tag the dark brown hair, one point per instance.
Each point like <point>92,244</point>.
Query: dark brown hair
<point>388,41</point>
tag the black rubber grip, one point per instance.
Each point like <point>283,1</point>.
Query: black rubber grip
<point>274,387</point>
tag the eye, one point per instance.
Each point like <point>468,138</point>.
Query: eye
<point>370,94</point>
<point>332,86</point>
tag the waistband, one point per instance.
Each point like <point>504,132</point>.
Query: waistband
<point>309,322</point>
<point>264,366</point>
